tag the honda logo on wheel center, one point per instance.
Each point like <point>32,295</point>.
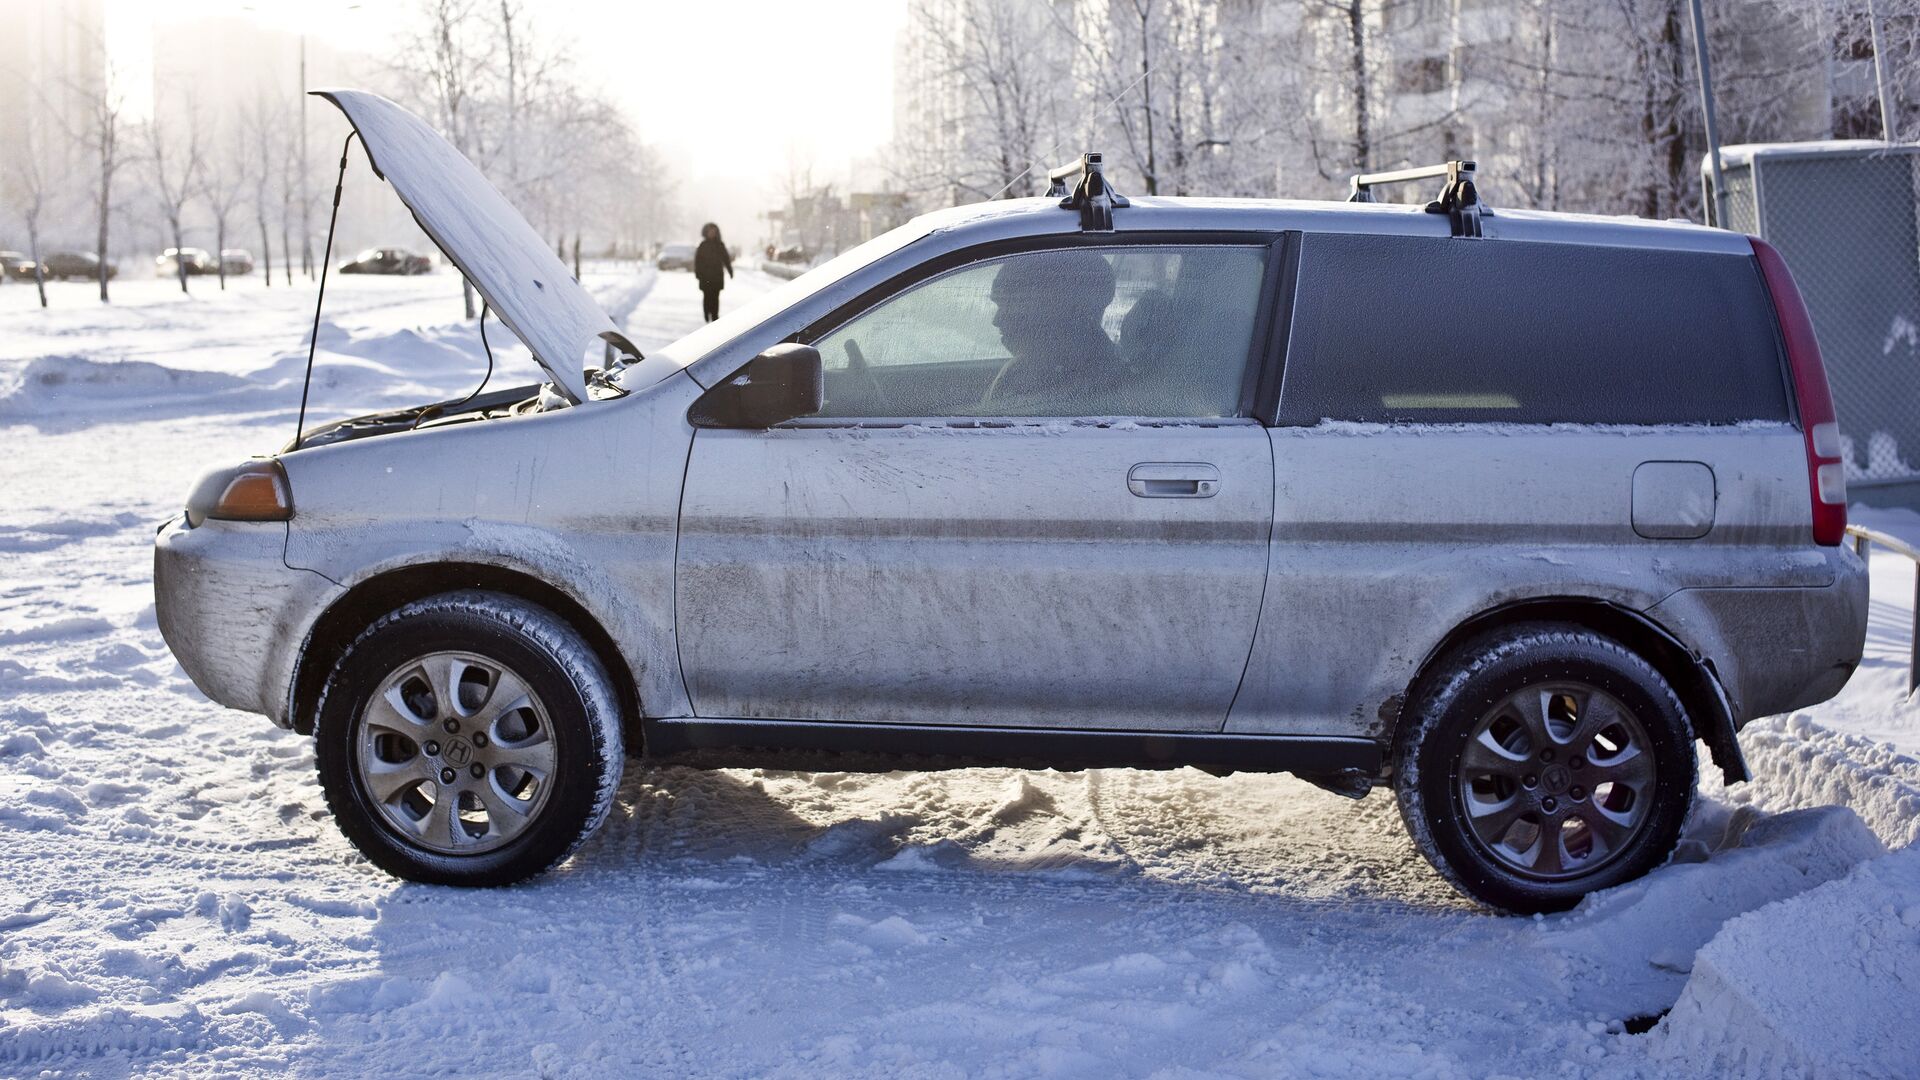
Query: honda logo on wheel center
<point>458,752</point>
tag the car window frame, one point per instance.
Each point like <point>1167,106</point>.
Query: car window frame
<point>1259,386</point>
<point>1272,407</point>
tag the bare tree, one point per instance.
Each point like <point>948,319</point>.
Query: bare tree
<point>1359,82</point>
<point>445,63</point>
<point>27,188</point>
<point>223,184</point>
<point>525,78</point>
<point>262,136</point>
<point>993,72</point>
<point>1588,104</point>
<point>175,160</point>
<point>1837,35</point>
<point>637,186</point>
<point>292,189</point>
<point>1200,95</point>
<point>1119,45</point>
<point>101,136</point>
<point>502,94</point>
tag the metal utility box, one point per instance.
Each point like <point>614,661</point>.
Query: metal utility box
<point>1844,215</point>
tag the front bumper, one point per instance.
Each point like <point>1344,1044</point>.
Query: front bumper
<point>232,611</point>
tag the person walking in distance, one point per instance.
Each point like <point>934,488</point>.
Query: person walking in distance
<point>711,267</point>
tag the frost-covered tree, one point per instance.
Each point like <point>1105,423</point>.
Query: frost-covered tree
<point>992,74</point>
<point>1578,104</point>
<point>443,64</point>
<point>504,94</point>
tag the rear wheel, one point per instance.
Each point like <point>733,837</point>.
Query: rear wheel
<point>1541,763</point>
<point>468,739</point>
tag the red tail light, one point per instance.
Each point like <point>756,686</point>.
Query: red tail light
<point>1826,472</point>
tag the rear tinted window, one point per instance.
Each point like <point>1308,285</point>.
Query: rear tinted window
<point>1418,329</point>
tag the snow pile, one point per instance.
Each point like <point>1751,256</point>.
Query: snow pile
<point>1796,762</point>
<point>1645,932</point>
<point>204,357</point>
<point>1824,984</point>
<point>50,384</point>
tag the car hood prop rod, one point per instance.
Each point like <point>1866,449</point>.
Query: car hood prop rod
<point>326,260</point>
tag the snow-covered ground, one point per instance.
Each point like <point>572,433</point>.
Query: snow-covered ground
<point>174,900</point>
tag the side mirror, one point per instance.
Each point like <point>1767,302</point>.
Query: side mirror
<point>779,384</point>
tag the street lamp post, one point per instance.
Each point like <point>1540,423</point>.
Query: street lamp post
<point>1719,207</point>
<point>1880,71</point>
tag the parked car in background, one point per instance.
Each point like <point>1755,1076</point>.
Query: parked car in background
<point>75,266</point>
<point>675,256</point>
<point>1542,502</point>
<point>236,261</point>
<point>16,265</point>
<point>198,261</point>
<point>388,260</point>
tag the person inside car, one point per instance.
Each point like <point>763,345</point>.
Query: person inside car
<point>1048,311</point>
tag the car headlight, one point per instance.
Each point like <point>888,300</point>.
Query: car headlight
<point>255,491</point>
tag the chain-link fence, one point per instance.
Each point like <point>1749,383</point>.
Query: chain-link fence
<point>1846,218</point>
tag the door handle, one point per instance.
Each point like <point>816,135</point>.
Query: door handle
<point>1173,480</point>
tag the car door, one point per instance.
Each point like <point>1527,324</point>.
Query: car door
<point>1031,499</point>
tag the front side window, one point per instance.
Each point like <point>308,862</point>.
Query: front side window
<point>1125,331</point>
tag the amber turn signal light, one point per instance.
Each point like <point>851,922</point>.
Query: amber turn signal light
<point>255,491</point>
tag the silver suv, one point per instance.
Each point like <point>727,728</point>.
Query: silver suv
<point>1504,510</point>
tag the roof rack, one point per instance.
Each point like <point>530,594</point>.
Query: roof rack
<point>1459,199</point>
<point>1092,196</point>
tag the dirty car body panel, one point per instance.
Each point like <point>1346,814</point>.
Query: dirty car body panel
<point>991,576</point>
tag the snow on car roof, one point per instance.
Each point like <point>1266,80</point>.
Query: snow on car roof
<point>1178,213</point>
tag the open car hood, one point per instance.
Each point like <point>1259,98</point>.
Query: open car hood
<point>525,284</point>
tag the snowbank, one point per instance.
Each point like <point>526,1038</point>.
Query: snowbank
<point>1824,984</point>
<point>50,384</point>
<point>1645,932</point>
<point>1797,762</point>
<point>236,354</point>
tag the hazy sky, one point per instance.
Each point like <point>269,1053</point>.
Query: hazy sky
<point>729,86</point>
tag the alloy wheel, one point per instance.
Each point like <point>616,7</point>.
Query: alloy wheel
<point>1557,780</point>
<point>455,752</point>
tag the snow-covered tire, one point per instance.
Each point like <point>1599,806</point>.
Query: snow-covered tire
<point>558,756</point>
<point>1470,756</point>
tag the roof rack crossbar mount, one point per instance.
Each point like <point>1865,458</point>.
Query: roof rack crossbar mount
<point>1459,198</point>
<point>1091,195</point>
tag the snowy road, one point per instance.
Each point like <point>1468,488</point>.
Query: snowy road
<point>174,900</point>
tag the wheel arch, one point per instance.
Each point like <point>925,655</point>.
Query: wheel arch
<point>1692,677</point>
<point>381,593</point>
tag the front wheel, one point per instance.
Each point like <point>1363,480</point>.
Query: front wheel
<point>1544,762</point>
<point>469,738</point>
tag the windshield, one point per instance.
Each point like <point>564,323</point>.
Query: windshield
<point>670,358</point>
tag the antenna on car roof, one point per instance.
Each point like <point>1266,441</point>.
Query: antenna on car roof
<point>1459,199</point>
<point>313,337</point>
<point>1092,195</point>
